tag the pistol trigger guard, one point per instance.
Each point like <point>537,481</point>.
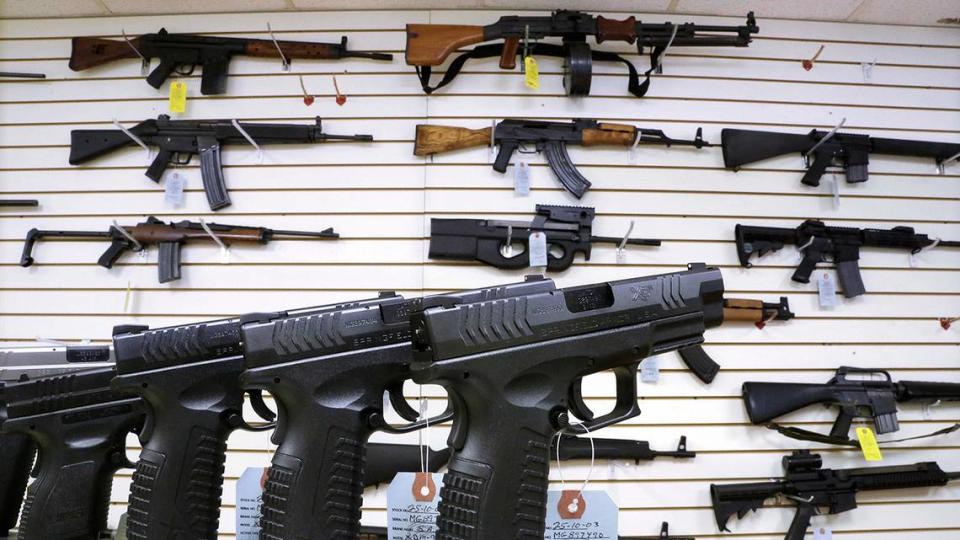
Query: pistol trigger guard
<point>400,405</point>
<point>577,405</point>
<point>625,407</point>
<point>260,406</point>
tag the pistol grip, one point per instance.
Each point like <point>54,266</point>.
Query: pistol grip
<point>801,521</point>
<point>503,156</point>
<point>807,265</point>
<point>508,58</point>
<point>819,166</point>
<point>211,172</point>
<point>168,261</point>
<point>117,247</point>
<point>159,165</point>
<point>16,456</point>
<point>159,75</point>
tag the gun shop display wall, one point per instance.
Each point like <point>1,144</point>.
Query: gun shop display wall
<point>336,203</point>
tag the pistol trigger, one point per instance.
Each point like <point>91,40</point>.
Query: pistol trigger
<point>577,405</point>
<point>400,405</point>
<point>260,406</point>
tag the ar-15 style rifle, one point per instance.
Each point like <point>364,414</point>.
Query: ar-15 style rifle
<point>820,242</point>
<point>822,149</point>
<point>510,366</point>
<point>812,487</point>
<point>567,228</point>
<point>551,138</point>
<point>429,45</point>
<point>179,140</point>
<point>212,52</point>
<point>169,238</point>
<point>855,396</point>
<point>19,364</point>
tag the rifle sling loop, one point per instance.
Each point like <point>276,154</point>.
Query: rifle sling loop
<point>634,86</point>
<point>801,434</point>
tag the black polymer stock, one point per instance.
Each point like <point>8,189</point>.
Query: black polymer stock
<point>328,373</point>
<point>79,425</point>
<point>854,396</point>
<point>840,245</point>
<point>850,151</point>
<point>511,367</point>
<point>812,488</point>
<point>178,141</point>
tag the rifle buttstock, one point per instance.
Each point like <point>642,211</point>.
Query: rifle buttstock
<point>438,139</point>
<point>88,52</point>
<point>431,44</point>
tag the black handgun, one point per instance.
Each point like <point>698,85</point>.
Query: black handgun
<point>179,140</point>
<point>511,365</point>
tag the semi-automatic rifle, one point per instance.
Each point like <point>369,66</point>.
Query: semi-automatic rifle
<point>568,230</point>
<point>839,245</point>
<point>855,396</point>
<point>19,364</point>
<point>821,149</point>
<point>429,45</point>
<point>510,365</point>
<point>182,53</point>
<point>169,238</point>
<point>178,141</point>
<point>813,488</point>
<point>551,138</point>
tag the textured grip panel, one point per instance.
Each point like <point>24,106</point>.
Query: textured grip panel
<point>318,496</point>
<point>16,455</point>
<point>472,507</point>
<point>196,503</point>
<point>68,501</point>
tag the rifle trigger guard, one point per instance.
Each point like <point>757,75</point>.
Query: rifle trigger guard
<point>179,158</point>
<point>180,71</point>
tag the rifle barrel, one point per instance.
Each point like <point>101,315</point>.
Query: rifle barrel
<point>327,233</point>
<point>630,241</point>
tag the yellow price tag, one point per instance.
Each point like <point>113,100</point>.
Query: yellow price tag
<point>178,97</point>
<point>532,79</point>
<point>868,443</point>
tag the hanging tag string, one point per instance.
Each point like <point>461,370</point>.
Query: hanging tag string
<point>283,58</point>
<point>424,448</point>
<point>593,455</point>
<point>126,234</point>
<point>248,138</point>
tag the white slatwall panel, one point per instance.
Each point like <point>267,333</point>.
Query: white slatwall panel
<point>380,198</point>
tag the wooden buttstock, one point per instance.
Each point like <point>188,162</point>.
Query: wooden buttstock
<point>736,309</point>
<point>610,135</point>
<point>87,52</point>
<point>436,139</point>
<point>431,44</point>
<point>508,58</point>
<point>265,48</point>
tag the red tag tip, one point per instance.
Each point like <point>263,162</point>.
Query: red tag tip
<point>341,99</point>
<point>308,100</point>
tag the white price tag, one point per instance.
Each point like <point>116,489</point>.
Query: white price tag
<point>822,533</point>
<point>867,69</point>
<point>580,514</point>
<point>650,369</point>
<point>412,500</point>
<point>521,178</point>
<point>538,249</point>
<point>173,189</point>
<point>827,289</point>
<point>249,498</point>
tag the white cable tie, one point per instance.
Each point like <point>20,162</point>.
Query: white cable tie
<point>913,256</point>
<point>941,165</point>
<point>136,50</point>
<point>136,245</point>
<point>283,58</point>
<point>658,69</point>
<point>826,137</point>
<point>210,232</point>
<point>133,136</point>
<point>249,139</point>
<point>493,140</point>
<point>623,242</point>
<point>51,341</point>
<point>509,248</point>
<point>805,246</point>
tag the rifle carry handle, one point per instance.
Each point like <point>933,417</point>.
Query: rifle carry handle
<point>431,44</point>
<point>16,456</point>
